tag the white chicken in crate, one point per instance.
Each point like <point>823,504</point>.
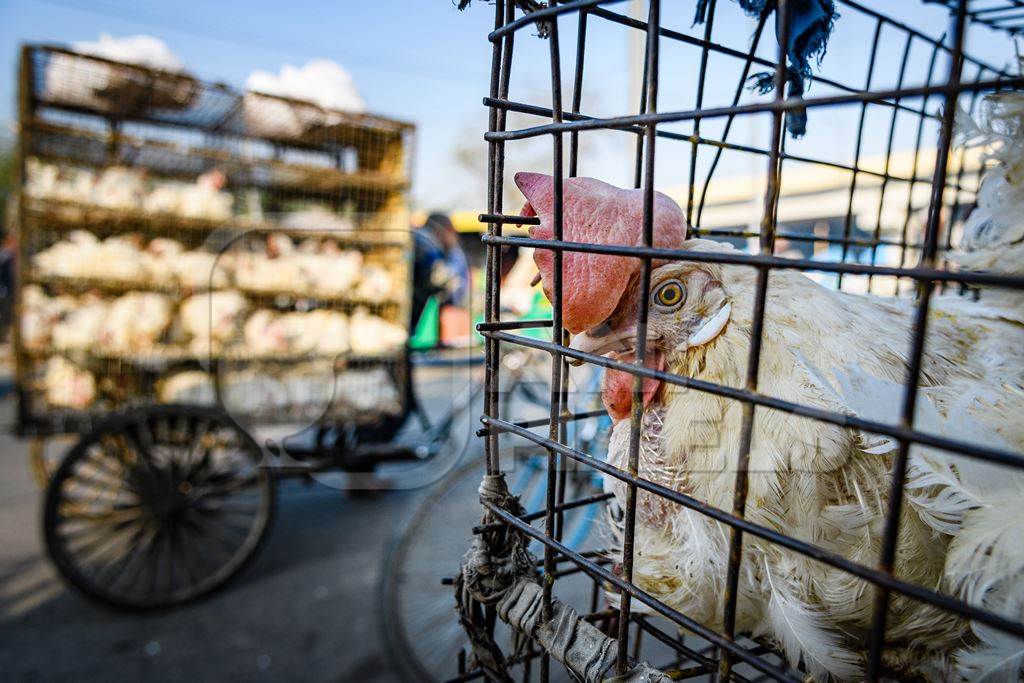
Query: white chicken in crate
<point>962,530</point>
<point>67,385</point>
<point>212,320</point>
<point>204,198</point>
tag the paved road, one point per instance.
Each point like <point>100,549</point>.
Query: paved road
<point>305,610</point>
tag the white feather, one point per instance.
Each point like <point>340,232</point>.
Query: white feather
<point>998,661</point>
<point>800,629</point>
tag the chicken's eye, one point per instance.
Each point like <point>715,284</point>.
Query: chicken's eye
<point>670,294</point>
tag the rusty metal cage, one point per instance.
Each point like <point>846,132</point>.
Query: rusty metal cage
<point>933,191</point>
<point>113,212</point>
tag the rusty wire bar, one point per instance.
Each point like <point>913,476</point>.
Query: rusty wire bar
<point>919,139</point>
<point>971,450</point>
<point>778,262</point>
<point>767,244</point>
<point>872,60</point>
<point>925,289</point>
<point>501,63</point>
<point>879,578</point>
<point>890,139</point>
<point>705,51</point>
<point>492,285</point>
<point>876,97</point>
<point>634,592</point>
<point>720,145</point>
<point>721,49</point>
<point>957,201</point>
<point>916,101</point>
<point>557,333</point>
<point>748,63</point>
<point>650,104</point>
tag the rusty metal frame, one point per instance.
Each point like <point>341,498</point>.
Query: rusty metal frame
<point>928,274</point>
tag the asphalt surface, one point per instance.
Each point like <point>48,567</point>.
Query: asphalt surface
<point>306,609</point>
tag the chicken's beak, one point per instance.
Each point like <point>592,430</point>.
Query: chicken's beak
<point>601,340</point>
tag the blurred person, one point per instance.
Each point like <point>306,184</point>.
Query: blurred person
<point>443,231</point>
<point>441,271</point>
<point>430,274</point>
<point>8,252</point>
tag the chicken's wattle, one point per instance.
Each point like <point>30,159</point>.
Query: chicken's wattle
<point>618,385</point>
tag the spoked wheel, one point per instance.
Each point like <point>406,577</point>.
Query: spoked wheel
<point>158,506</point>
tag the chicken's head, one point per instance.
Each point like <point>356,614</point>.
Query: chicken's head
<point>688,306</point>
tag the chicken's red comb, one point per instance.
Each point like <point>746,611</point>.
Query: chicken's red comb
<point>598,213</point>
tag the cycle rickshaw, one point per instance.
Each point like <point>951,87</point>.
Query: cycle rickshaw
<point>213,293</point>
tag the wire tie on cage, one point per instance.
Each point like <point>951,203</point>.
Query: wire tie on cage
<point>497,558</point>
<point>528,7</point>
<point>810,26</point>
<point>498,571</point>
<point>493,563</point>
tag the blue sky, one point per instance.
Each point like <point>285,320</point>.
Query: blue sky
<point>424,61</point>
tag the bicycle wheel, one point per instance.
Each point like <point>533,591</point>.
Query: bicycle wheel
<point>421,629</point>
<point>158,506</point>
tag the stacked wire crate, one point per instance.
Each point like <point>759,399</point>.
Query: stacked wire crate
<point>184,242</point>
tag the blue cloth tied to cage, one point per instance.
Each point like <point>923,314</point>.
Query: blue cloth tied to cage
<point>810,25</point>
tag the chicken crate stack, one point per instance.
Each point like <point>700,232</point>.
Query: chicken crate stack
<point>816,464</point>
<point>182,242</point>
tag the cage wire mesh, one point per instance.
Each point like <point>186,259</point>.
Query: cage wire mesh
<point>185,242</point>
<point>904,186</point>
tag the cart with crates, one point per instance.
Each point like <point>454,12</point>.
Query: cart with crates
<point>888,106</point>
<point>196,264</point>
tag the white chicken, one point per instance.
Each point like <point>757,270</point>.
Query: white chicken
<point>321,331</point>
<point>79,329</point>
<point>117,258</point>
<point>66,385</point>
<point>120,259</point>
<point>65,184</point>
<point>312,269</point>
<point>119,187</point>
<point>319,218</point>
<point>375,284</point>
<point>962,529</point>
<point>331,275</point>
<point>125,189</point>
<point>202,270</point>
<point>66,258</point>
<point>993,235</point>
<point>211,320</point>
<point>159,259</point>
<point>333,333</point>
<point>204,199</point>
<point>83,256</point>
<point>135,322</point>
<point>193,387</point>
<point>41,179</point>
<point>372,335</point>
<point>263,334</point>
<point>39,314</point>
<point>271,271</point>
